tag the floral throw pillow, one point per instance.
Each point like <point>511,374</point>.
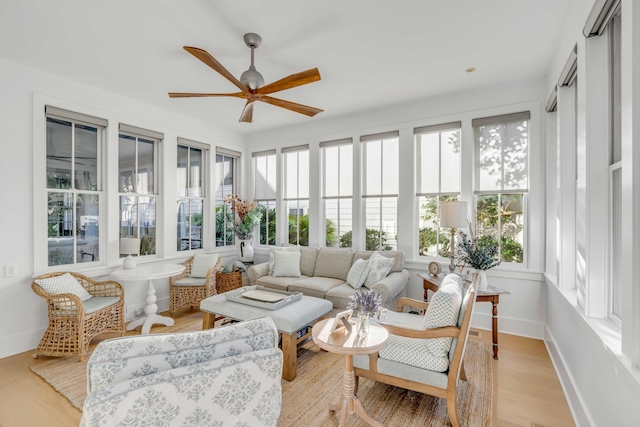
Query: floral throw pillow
<point>379,268</point>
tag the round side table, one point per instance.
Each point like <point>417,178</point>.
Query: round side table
<point>348,343</point>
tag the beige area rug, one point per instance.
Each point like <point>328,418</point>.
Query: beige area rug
<point>319,382</point>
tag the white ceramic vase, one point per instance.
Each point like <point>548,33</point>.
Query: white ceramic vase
<point>481,277</point>
<point>246,251</point>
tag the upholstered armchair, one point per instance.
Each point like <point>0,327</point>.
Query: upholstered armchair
<point>424,353</point>
<point>228,376</point>
<point>79,309</point>
<point>195,283</point>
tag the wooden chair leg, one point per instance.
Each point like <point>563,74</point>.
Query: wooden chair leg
<point>452,409</point>
<point>357,383</point>
<point>463,374</point>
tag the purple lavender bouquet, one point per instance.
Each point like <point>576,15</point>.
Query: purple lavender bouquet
<point>367,304</point>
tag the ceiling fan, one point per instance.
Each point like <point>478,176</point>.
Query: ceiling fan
<point>251,83</point>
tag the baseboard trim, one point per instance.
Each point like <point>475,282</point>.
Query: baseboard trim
<point>19,343</point>
<point>509,325</point>
<point>576,405</point>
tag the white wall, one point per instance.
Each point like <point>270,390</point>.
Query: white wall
<point>522,312</point>
<point>23,317</point>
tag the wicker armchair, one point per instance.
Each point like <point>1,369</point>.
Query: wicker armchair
<point>187,291</point>
<point>73,323</point>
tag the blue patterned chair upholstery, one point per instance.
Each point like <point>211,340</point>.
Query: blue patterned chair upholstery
<point>424,353</point>
<point>228,376</point>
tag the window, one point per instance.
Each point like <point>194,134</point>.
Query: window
<point>615,173</point>
<point>191,201</point>
<point>337,190</point>
<point>226,172</point>
<point>264,164</point>
<point>296,192</point>
<point>74,186</point>
<point>437,180</point>
<point>380,190</point>
<point>138,186</point>
<point>501,181</point>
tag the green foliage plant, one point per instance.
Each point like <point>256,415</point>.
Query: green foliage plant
<point>479,253</point>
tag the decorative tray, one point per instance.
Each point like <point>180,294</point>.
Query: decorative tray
<point>259,296</point>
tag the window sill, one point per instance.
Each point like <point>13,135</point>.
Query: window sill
<point>507,272</point>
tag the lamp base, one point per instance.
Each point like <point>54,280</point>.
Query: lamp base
<point>452,266</point>
<point>129,263</point>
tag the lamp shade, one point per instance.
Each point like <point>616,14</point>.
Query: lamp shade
<point>453,214</point>
<point>129,246</point>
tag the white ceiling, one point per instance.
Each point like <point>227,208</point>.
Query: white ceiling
<point>370,53</point>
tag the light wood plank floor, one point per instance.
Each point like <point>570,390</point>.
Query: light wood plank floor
<point>527,392</point>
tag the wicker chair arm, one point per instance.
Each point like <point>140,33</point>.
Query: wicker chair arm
<point>211,273</point>
<point>410,302</point>
<point>445,332</point>
<point>60,305</point>
<point>107,288</point>
<point>186,273</point>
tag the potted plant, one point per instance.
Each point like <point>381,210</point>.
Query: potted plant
<point>245,220</point>
<point>480,254</point>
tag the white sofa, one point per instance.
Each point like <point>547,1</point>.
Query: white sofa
<point>226,376</point>
<point>324,274</point>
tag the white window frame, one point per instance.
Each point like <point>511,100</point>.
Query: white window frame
<point>420,194</point>
<point>228,214</point>
<point>202,198</point>
<point>267,202</point>
<point>155,137</point>
<point>324,146</point>
<point>74,119</point>
<point>366,140</point>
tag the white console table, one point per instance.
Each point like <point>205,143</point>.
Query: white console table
<point>149,273</point>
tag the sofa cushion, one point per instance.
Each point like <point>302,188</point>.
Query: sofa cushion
<point>64,284</point>
<point>286,264</point>
<point>340,295</point>
<point>280,283</point>
<point>315,286</point>
<point>398,256</point>
<point>191,281</point>
<point>379,268</point>
<point>308,257</point>
<point>333,262</point>
<point>358,273</point>
<point>202,263</point>
<point>272,259</point>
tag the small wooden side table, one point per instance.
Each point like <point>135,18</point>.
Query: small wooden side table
<point>348,343</point>
<point>491,294</point>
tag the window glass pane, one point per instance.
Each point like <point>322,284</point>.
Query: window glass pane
<point>303,172</point>
<point>88,226</point>
<point>390,168</point>
<point>291,175</point>
<point>126,163</point>
<point>268,220</point>
<point>265,174</point>
<point>58,153</point>
<point>512,228</point>
<point>346,170</point>
<point>195,223</point>
<point>489,159</point>
<point>616,242</point>
<point>145,184</point>
<point>450,162</point>
<point>515,148</point>
<point>502,156</point>
<point>381,223</point>
<point>338,226</point>
<point>616,78</point>
<point>331,171</point>
<point>183,224</point>
<point>60,239</point>
<point>224,224</point>
<point>432,239</point>
<point>128,216</point>
<point>298,222</point>
<point>195,173</point>
<point>183,153</point>
<point>86,158</point>
<point>429,163</point>
<point>373,164</point>
<point>487,216</point>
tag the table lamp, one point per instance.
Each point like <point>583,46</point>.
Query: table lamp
<point>129,246</point>
<point>453,215</point>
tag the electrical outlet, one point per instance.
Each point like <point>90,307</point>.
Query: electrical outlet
<point>10,270</point>
<point>138,312</point>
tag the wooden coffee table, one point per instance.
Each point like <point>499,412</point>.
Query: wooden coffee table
<point>348,343</point>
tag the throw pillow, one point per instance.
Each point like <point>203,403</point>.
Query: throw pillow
<point>283,249</point>
<point>64,284</point>
<point>443,310</point>
<point>287,264</point>
<point>379,267</point>
<point>358,273</point>
<point>202,263</point>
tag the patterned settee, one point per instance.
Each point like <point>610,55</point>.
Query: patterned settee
<point>228,376</point>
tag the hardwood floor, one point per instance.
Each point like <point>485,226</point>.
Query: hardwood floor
<point>527,392</point>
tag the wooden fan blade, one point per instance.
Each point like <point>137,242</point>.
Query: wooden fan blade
<point>299,79</point>
<point>206,57</point>
<point>298,108</point>
<point>200,95</point>
<point>247,113</point>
